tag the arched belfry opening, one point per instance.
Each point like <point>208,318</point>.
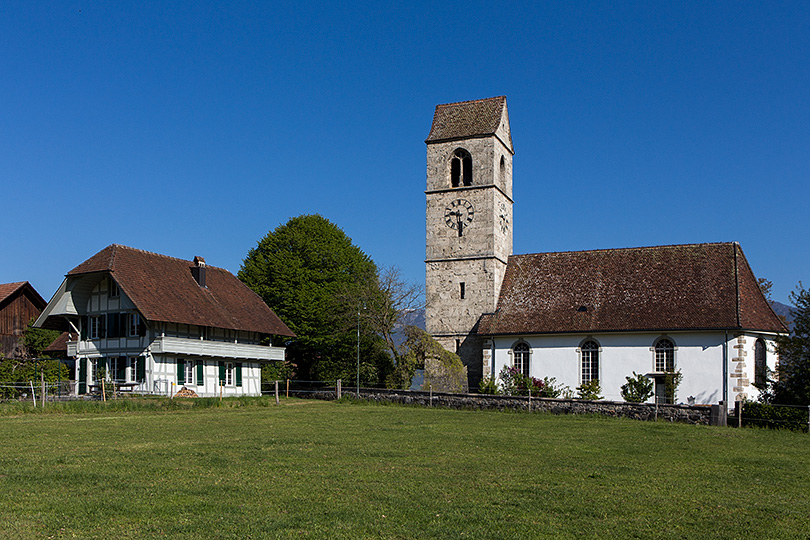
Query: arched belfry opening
<point>461,168</point>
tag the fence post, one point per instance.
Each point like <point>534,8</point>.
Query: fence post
<point>431,394</point>
<point>288,387</point>
<point>276,392</point>
<point>33,394</point>
<point>738,412</point>
<point>42,377</point>
<point>338,388</point>
<point>530,400</point>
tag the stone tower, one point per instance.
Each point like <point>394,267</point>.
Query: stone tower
<point>468,223</point>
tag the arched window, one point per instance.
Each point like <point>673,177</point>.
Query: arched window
<point>502,169</point>
<point>589,352</point>
<point>520,354</point>
<point>664,356</point>
<point>760,363</point>
<point>461,168</point>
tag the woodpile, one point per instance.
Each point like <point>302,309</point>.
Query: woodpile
<point>185,392</point>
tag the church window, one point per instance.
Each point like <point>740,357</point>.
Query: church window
<point>520,356</point>
<point>461,168</point>
<point>461,290</point>
<point>664,356</point>
<point>760,364</point>
<point>589,359</point>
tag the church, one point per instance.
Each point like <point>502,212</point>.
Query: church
<point>582,315</point>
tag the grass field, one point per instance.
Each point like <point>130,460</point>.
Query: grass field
<point>309,469</point>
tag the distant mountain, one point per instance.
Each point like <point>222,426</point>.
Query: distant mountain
<point>783,310</point>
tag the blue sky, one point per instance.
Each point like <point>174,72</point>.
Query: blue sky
<point>195,128</point>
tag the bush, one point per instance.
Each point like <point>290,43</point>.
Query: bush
<point>590,390</point>
<point>488,385</point>
<point>637,389</point>
<point>774,416</point>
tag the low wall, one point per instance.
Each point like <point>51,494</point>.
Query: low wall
<point>689,414</point>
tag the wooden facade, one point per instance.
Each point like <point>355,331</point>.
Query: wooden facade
<point>20,303</point>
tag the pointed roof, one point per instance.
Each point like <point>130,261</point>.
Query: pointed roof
<point>7,290</point>
<point>164,289</point>
<point>471,119</point>
<point>661,288</point>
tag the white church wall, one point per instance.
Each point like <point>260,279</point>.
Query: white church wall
<point>699,356</point>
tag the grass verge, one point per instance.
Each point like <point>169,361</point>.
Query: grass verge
<point>311,469</point>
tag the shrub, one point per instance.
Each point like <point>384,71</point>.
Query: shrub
<point>488,385</point>
<point>774,416</point>
<point>637,389</point>
<point>590,390</point>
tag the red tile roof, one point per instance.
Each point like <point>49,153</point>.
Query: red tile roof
<point>163,289</point>
<point>685,287</point>
<point>8,289</point>
<point>466,119</point>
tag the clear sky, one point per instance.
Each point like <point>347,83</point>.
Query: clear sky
<point>195,128</point>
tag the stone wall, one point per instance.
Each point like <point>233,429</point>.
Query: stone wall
<point>689,414</point>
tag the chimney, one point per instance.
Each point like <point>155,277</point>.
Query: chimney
<point>198,271</point>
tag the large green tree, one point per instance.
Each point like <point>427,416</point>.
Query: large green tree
<point>792,384</point>
<point>312,275</point>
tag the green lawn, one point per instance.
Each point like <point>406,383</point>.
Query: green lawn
<point>310,469</point>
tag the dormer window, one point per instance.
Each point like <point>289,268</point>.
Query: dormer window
<point>461,168</point>
<point>113,290</point>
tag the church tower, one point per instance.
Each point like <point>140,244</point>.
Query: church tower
<point>468,222</point>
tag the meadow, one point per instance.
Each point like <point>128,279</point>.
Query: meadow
<point>311,469</point>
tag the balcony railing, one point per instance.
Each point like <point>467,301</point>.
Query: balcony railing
<point>183,347</point>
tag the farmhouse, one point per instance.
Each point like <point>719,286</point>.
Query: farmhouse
<point>578,316</point>
<point>19,304</point>
<point>155,324</point>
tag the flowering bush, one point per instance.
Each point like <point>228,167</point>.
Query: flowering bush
<point>515,383</point>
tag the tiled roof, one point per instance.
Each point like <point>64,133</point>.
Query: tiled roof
<point>163,289</point>
<point>467,119</point>
<point>8,289</point>
<point>59,345</point>
<point>685,287</point>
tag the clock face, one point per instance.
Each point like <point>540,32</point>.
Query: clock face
<point>503,217</point>
<point>459,214</point>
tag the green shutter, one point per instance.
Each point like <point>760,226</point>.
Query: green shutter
<point>82,375</point>
<point>83,325</point>
<point>122,368</point>
<point>200,373</point>
<point>238,374</point>
<point>181,371</point>
<point>222,372</point>
<point>141,368</point>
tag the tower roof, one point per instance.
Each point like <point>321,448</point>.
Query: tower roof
<point>471,119</point>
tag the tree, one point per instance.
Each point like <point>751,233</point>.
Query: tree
<point>792,384</point>
<point>309,272</point>
<point>421,351</point>
<point>637,389</point>
<point>37,340</point>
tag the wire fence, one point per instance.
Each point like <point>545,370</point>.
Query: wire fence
<point>36,391</point>
<point>770,415</point>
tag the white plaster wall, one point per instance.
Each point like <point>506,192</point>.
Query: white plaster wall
<point>699,356</point>
<point>164,368</point>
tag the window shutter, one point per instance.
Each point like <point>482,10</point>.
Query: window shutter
<point>112,325</point>
<point>141,368</point>
<point>222,372</point>
<point>121,367</point>
<point>84,324</point>
<point>238,374</point>
<point>141,326</point>
<point>181,371</point>
<point>82,375</point>
<point>102,327</point>
<point>200,373</point>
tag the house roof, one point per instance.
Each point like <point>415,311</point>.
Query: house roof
<point>683,287</point>
<point>465,119</point>
<point>163,289</point>
<point>59,345</point>
<point>7,290</point>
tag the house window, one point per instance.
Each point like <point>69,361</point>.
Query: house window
<point>461,168</point>
<point>189,372</point>
<point>664,356</point>
<point>760,363</point>
<point>135,363</point>
<point>118,367</point>
<point>114,291</point>
<point>134,324</point>
<point>589,352</point>
<point>520,355</point>
<point>228,373</point>
<point>94,330</point>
